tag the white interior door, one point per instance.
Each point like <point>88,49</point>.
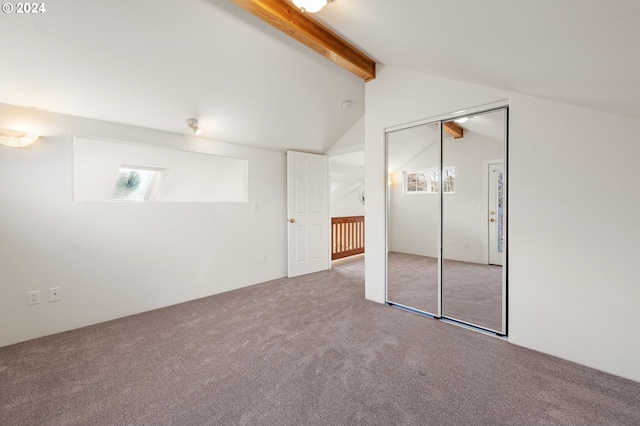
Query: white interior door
<point>496,213</point>
<point>308,210</point>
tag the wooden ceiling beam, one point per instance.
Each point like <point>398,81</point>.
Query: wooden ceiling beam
<point>453,129</point>
<point>287,18</point>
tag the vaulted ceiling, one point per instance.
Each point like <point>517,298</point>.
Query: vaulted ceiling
<point>155,63</point>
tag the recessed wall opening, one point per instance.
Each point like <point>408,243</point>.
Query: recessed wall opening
<point>105,170</point>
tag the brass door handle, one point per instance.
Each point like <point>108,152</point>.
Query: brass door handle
<point>292,220</point>
<point>492,220</point>
<point>492,212</point>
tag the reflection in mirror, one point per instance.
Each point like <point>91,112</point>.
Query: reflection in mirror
<point>473,220</point>
<point>413,155</point>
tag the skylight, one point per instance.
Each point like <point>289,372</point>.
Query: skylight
<point>133,184</point>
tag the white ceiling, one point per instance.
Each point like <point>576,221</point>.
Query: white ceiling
<point>155,63</point>
<point>490,125</point>
<point>581,52</point>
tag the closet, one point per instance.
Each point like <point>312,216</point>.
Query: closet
<point>447,218</point>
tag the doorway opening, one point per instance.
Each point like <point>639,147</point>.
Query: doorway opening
<point>347,205</point>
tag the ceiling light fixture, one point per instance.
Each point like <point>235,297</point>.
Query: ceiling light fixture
<point>346,105</point>
<point>311,6</point>
<point>16,138</point>
<point>193,124</point>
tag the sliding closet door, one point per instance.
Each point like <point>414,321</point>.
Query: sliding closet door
<point>473,220</point>
<point>413,217</point>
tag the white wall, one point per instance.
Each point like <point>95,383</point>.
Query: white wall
<point>348,204</point>
<point>349,176</point>
<point>352,140</point>
<point>464,224</point>
<point>410,232</point>
<point>117,259</point>
<point>573,215</point>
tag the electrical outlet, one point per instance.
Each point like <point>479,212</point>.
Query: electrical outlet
<point>264,258</point>
<point>33,297</point>
<point>55,294</point>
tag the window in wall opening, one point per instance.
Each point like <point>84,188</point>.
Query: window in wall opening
<point>426,182</point>
<point>134,184</point>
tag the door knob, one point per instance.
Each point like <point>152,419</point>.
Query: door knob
<point>492,219</point>
<point>292,220</point>
<point>492,212</point>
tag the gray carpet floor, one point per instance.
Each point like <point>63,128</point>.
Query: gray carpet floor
<point>471,292</point>
<point>413,281</point>
<point>303,351</point>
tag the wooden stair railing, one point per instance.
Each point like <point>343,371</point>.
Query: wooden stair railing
<point>347,236</point>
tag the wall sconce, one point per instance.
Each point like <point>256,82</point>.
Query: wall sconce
<point>16,138</point>
<point>193,124</point>
<point>311,6</point>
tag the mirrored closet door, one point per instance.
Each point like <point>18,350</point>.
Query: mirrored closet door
<point>473,288</point>
<point>413,217</point>
<point>446,219</point>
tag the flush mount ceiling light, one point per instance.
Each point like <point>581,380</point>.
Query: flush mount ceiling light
<point>16,138</point>
<point>346,105</point>
<point>311,6</point>
<point>193,124</point>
